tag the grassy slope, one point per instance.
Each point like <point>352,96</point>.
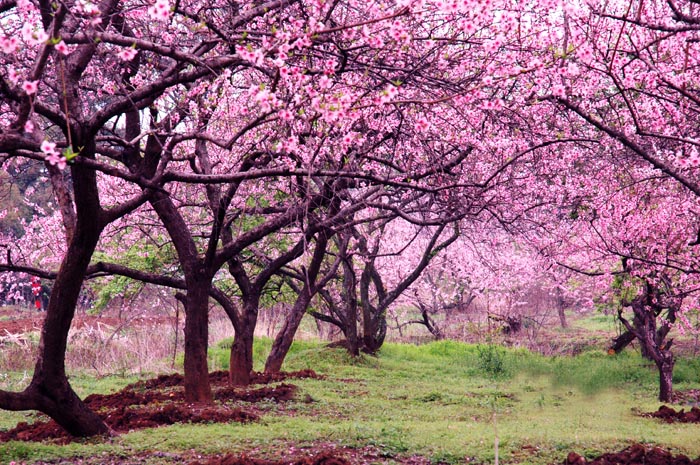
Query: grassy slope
<point>443,400</point>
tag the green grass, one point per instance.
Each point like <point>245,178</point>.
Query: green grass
<point>442,400</point>
<point>595,322</point>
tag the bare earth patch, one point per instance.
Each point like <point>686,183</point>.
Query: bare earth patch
<point>636,454</point>
<point>670,415</point>
<point>160,401</point>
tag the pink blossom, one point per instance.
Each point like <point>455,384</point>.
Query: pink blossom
<point>422,124</point>
<point>286,115</point>
<point>90,8</point>
<point>324,82</point>
<point>30,87</point>
<point>48,148</point>
<point>62,48</point>
<point>29,126</point>
<point>559,91</point>
<point>57,159</point>
<point>390,92</point>
<point>160,11</point>
<point>12,75</point>
<point>127,54</point>
<point>9,44</point>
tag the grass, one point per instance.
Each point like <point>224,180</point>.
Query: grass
<point>438,400</point>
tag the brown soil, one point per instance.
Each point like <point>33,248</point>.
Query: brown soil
<point>322,458</point>
<point>160,401</point>
<point>633,455</point>
<point>670,415</point>
<point>322,453</point>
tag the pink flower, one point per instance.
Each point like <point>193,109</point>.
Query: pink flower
<point>62,48</point>
<point>422,125</point>
<point>30,87</point>
<point>28,126</point>
<point>90,8</point>
<point>127,54</point>
<point>389,93</point>
<point>33,34</point>
<point>559,91</point>
<point>324,82</point>
<point>57,159</point>
<point>9,44</point>
<point>286,115</point>
<point>12,75</point>
<point>160,11</point>
<point>49,148</point>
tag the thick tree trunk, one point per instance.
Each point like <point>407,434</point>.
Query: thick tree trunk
<point>198,282</point>
<point>374,332</point>
<point>666,378</point>
<point>197,387</point>
<point>285,337</point>
<point>49,385</point>
<point>241,359</point>
<point>49,391</point>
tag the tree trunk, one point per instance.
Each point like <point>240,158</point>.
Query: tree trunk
<point>198,282</point>
<point>622,341</point>
<point>561,309</point>
<point>241,359</point>
<point>652,341</point>
<point>49,391</point>
<point>285,337</point>
<point>350,306</point>
<point>49,385</point>
<point>197,387</point>
<point>666,378</point>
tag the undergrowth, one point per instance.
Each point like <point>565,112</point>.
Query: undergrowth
<point>441,400</point>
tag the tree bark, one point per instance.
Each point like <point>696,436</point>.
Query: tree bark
<point>49,386</point>
<point>285,337</point>
<point>561,309</point>
<point>49,391</point>
<point>623,340</point>
<point>666,378</point>
<point>647,307</point>
<point>198,285</point>
<point>197,387</point>
<point>241,358</point>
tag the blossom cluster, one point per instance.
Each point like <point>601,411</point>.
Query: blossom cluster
<point>160,10</point>
<point>52,155</point>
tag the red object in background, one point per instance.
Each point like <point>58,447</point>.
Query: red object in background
<point>36,289</point>
<point>36,285</point>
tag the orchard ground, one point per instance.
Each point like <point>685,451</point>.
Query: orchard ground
<point>440,402</point>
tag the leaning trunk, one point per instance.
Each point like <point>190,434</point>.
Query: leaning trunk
<point>622,341</point>
<point>285,337</point>
<point>49,391</point>
<point>49,385</point>
<point>197,387</point>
